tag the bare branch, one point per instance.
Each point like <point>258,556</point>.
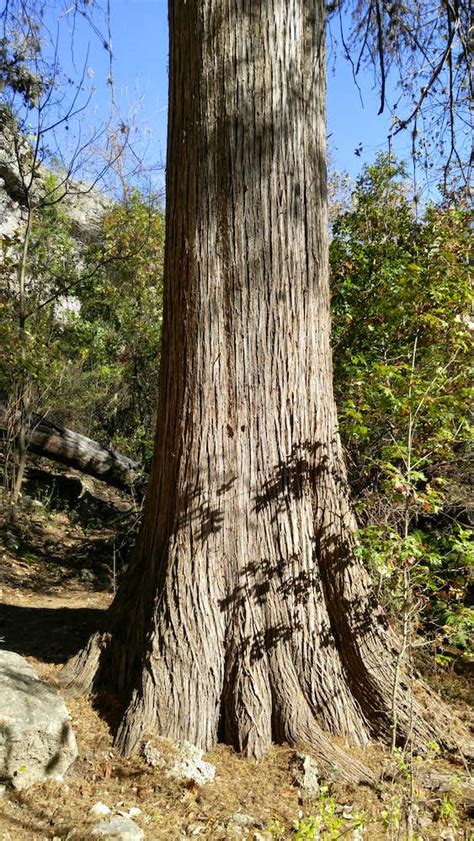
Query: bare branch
<point>381,55</point>
<point>427,88</point>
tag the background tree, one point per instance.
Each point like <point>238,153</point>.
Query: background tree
<point>247,613</point>
<point>31,368</point>
<point>92,352</point>
<point>38,107</point>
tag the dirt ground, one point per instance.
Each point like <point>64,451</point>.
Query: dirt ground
<point>56,577</point>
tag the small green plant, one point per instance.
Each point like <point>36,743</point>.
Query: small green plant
<point>391,817</point>
<point>277,829</point>
<point>448,812</point>
<point>433,747</point>
<point>328,821</point>
<point>309,827</point>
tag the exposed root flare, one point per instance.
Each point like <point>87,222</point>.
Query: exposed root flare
<point>80,673</point>
<point>260,705</point>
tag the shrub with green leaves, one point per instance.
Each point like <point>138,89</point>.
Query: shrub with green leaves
<point>87,354</point>
<point>402,337</point>
<point>32,351</point>
<point>440,562</point>
<point>113,339</point>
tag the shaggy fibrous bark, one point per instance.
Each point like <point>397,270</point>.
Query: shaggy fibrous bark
<point>247,615</point>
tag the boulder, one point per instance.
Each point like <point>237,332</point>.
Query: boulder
<point>119,828</point>
<point>36,738</point>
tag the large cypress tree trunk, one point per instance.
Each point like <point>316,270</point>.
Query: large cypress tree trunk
<point>246,614</point>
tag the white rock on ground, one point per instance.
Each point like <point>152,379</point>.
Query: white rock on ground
<point>239,825</point>
<point>306,774</point>
<point>152,756</point>
<point>119,829</point>
<point>189,766</point>
<point>240,819</point>
<point>99,809</point>
<point>36,738</point>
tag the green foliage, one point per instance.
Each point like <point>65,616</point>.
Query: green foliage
<point>448,812</point>
<point>395,280</point>
<point>440,563</point>
<point>31,330</point>
<point>114,337</point>
<point>401,336</point>
<point>17,61</point>
<point>392,817</point>
<point>326,822</point>
<point>87,350</point>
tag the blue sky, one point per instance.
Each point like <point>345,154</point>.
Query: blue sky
<point>140,62</point>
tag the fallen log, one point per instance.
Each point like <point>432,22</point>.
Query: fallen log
<point>51,440</point>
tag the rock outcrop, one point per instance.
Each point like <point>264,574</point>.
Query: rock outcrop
<point>82,205</point>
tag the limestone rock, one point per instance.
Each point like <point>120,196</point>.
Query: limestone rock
<point>99,809</point>
<point>36,738</point>
<point>11,218</point>
<point>152,756</point>
<point>194,829</point>
<point>83,206</point>
<point>240,819</point>
<point>306,774</point>
<point>239,825</point>
<point>448,834</point>
<point>119,828</point>
<point>189,766</point>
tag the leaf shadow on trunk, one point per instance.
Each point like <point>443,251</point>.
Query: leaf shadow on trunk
<point>290,476</point>
<point>196,508</point>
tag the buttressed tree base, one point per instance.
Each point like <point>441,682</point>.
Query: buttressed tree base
<point>245,615</point>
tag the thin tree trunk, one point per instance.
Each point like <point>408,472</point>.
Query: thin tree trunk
<point>23,385</point>
<point>246,614</point>
<point>20,468</point>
